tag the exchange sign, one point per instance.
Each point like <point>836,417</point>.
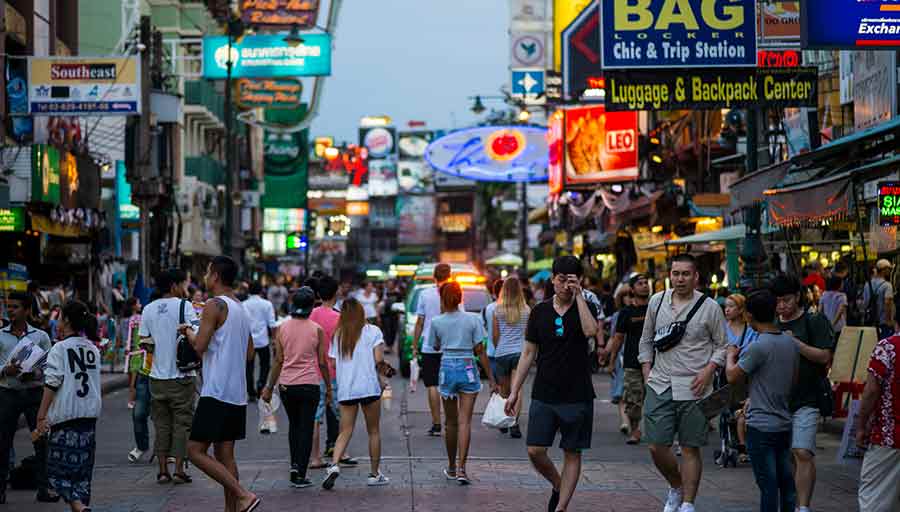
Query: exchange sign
<point>267,56</point>
<point>711,89</point>
<point>848,24</point>
<point>677,33</point>
<point>77,86</point>
<point>889,203</point>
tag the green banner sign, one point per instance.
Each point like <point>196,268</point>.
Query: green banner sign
<point>44,174</point>
<point>12,219</point>
<point>889,203</point>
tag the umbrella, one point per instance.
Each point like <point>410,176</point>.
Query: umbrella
<point>505,260</point>
<point>543,275</point>
<point>544,264</point>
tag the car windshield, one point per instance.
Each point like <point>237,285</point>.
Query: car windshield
<point>414,300</point>
<point>475,299</point>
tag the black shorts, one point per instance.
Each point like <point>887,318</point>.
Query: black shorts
<point>361,401</point>
<point>431,369</point>
<point>506,365</point>
<point>218,422</point>
<point>574,422</point>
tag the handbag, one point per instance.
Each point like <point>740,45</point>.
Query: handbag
<point>667,337</point>
<point>186,358</point>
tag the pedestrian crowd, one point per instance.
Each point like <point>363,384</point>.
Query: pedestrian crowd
<point>680,357</point>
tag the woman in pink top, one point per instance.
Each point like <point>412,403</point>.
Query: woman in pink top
<point>300,364</point>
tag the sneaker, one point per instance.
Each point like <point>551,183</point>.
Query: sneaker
<point>273,428</point>
<point>554,501</point>
<point>434,431</point>
<point>331,475</point>
<point>264,430</point>
<point>376,480</point>
<point>514,432</point>
<point>299,482</point>
<point>686,507</point>
<point>450,474</point>
<point>135,455</point>
<point>673,500</point>
<point>504,430</point>
<point>46,496</point>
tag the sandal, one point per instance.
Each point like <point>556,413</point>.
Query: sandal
<point>321,465</point>
<point>182,478</point>
<point>163,478</point>
<point>349,461</point>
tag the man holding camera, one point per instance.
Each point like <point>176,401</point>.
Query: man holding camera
<point>682,345</point>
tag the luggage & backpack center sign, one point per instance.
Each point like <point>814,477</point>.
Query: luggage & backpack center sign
<point>849,24</point>
<point>677,33</point>
<point>711,89</point>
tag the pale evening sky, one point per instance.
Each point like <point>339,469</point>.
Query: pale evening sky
<point>413,60</point>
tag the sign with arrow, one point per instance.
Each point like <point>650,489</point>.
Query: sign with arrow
<point>581,66</point>
<point>528,84</point>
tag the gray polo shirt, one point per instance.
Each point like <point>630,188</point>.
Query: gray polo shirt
<point>8,342</point>
<point>703,342</point>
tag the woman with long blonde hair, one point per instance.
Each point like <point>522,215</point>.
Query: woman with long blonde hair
<point>508,336</point>
<point>358,351</point>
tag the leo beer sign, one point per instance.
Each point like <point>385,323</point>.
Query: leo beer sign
<point>600,146</point>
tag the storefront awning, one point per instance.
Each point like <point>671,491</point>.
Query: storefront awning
<point>736,232</point>
<point>810,203</point>
<point>750,188</point>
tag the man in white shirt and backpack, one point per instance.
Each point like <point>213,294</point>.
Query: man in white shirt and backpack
<point>171,391</point>
<point>225,345</point>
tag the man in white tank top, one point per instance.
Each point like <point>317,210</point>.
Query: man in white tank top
<point>220,418</point>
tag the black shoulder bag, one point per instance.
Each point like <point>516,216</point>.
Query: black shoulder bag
<point>824,393</point>
<point>667,337</point>
<point>186,358</point>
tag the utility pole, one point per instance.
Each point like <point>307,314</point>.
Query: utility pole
<point>523,226</point>
<point>230,173</point>
<point>145,188</point>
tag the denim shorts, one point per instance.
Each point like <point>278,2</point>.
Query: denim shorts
<point>805,425</point>
<point>458,376</point>
<point>320,410</point>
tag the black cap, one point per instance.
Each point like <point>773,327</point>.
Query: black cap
<point>304,302</point>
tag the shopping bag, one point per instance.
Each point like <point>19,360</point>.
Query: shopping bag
<point>494,414</point>
<point>267,410</point>
<point>413,375</point>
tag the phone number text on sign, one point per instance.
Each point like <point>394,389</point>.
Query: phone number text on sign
<point>677,33</point>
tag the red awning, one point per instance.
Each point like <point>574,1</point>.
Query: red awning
<point>810,203</point>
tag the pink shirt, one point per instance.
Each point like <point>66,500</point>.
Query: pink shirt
<point>328,319</point>
<point>300,341</point>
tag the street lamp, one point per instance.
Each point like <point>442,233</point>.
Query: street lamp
<point>294,38</point>
<point>478,108</point>
<point>234,29</point>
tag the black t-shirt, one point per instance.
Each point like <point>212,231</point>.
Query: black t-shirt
<point>814,330</point>
<point>563,362</point>
<point>630,322</point>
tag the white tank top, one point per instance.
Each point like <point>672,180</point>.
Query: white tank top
<point>225,361</point>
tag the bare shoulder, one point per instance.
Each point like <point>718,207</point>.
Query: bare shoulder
<point>217,308</point>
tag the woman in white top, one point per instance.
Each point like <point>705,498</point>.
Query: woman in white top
<point>358,351</point>
<point>508,336</point>
<point>368,297</point>
<point>71,405</point>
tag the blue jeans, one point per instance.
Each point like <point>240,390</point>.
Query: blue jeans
<point>770,455</point>
<point>141,413</point>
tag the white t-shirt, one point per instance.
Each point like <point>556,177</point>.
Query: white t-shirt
<point>225,361</point>
<point>368,302</point>
<point>159,320</point>
<point>357,376</point>
<point>262,318</point>
<point>73,370</point>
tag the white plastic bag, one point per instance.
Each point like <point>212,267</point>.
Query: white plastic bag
<point>267,419</point>
<point>413,375</point>
<point>494,414</point>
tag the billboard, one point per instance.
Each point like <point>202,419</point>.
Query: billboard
<point>413,144</point>
<point>778,21</point>
<point>279,14</point>
<point>860,24</point>
<point>382,178</point>
<point>874,90</point>
<point>564,11</point>
<point>492,153</point>
<point>379,141</point>
<point>267,56</point>
<point>45,174</point>
<point>668,34</point>
<point>600,146</point>
<point>415,177</point>
<point>78,86</point>
<point>580,57</point>
<point>416,216</point>
<point>711,88</point>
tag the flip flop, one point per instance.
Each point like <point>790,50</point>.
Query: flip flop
<point>253,505</point>
<point>321,465</point>
<point>163,478</point>
<point>182,478</point>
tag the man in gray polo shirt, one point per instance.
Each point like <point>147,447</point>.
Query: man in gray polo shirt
<point>678,378</point>
<point>20,393</point>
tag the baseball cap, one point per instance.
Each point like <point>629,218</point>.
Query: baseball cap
<point>303,302</point>
<point>884,264</point>
<point>635,278</point>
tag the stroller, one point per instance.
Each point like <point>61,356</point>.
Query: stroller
<point>727,453</point>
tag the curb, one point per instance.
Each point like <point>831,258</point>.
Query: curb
<point>110,385</point>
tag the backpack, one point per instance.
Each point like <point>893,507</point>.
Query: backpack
<point>186,358</point>
<point>872,315</point>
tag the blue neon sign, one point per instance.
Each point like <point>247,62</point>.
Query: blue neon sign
<point>267,56</point>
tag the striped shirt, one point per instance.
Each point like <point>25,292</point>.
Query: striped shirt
<point>512,336</point>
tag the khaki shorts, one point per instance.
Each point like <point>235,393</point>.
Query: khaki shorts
<point>664,417</point>
<point>878,490</point>
<point>634,394</point>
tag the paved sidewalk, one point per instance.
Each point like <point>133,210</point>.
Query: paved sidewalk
<point>616,477</point>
